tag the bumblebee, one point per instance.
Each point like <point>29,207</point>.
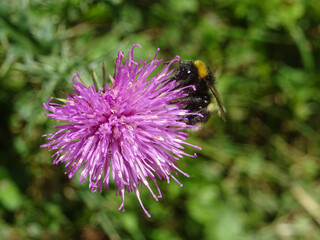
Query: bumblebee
<point>197,73</point>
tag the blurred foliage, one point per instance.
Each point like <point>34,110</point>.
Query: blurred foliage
<point>256,176</point>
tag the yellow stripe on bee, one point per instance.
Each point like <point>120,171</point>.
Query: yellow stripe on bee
<point>202,68</point>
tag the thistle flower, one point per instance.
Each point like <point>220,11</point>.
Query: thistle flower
<point>129,130</point>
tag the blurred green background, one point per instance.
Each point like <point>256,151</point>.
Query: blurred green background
<point>257,176</point>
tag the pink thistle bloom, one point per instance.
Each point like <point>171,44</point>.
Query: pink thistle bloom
<point>130,130</point>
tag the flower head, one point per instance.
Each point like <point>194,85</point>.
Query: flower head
<point>130,130</point>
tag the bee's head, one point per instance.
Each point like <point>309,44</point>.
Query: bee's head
<point>185,70</point>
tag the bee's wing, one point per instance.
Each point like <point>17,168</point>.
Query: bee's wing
<point>217,96</point>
